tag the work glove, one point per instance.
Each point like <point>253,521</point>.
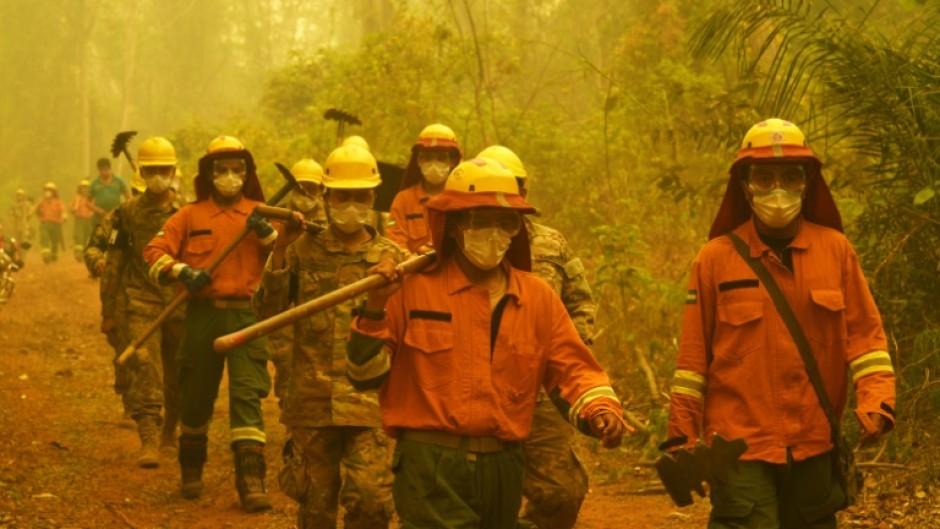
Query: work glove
<point>259,225</point>
<point>194,279</point>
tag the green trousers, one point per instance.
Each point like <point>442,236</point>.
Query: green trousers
<point>200,372</point>
<point>795,495</point>
<point>436,487</point>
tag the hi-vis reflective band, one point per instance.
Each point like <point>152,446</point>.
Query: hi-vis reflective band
<point>590,395</point>
<point>870,363</point>
<point>688,383</point>
<point>159,266</point>
<point>248,433</point>
<point>691,298</point>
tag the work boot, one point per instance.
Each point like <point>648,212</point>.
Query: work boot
<point>168,439</point>
<point>249,477</point>
<point>192,458</point>
<point>149,452</point>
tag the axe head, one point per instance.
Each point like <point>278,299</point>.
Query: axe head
<point>674,480</point>
<point>335,114</point>
<point>724,456</point>
<point>120,142</point>
<point>289,176</point>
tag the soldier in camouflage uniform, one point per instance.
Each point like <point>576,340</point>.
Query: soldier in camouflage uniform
<point>309,174</point>
<point>555,481</point>
<point>113,303</point>
<point>154,382</point>
<point>337,452</point>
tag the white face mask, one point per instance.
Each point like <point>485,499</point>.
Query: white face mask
<point>349,217</point>
<point>228,185</point>
<point>435,172</point>
<point>486,247</point>
<point>777,208</point>
<point>47,194</point>
<point>158,184</point>
<point>302,203</point>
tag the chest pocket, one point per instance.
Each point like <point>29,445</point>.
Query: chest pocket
<point>313,285</point>
<point>200,247</point>
<point>417,227</point>
<point>828,311</point>
<point>431,346</point>
<point>740,328</point>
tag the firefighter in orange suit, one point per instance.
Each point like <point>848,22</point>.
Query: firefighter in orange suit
<point>433,156</point>
<point>227,191</point>
<point>739,373</point>
<point>460,352</point>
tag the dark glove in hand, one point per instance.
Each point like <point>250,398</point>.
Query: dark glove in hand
<point>194,279</point>
<point>259,225</point>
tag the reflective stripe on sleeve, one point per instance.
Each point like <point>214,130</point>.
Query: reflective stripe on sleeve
<point>159,266</point>
<point>688,383</point>
<point>590,395</point>
<point>869,363</point>
<point>375,367</point>
<point>248,433</point>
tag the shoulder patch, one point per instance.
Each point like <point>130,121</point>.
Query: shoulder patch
<point>574,268</point>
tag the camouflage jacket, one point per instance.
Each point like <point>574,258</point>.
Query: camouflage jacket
<point>20,213</point>
<point>553,261</point>
<point>319,393</point>
<point>118,241</point>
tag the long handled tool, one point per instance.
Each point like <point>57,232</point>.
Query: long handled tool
<point>224,344</point>
<point>287,215</point>
<point>185,294</point>
<point>341,117</point>
<point>119,145</point>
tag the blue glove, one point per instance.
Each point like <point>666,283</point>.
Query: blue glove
<point>194,279</point>
<point>259,225</point>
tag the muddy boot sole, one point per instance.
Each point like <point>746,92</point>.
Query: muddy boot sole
<point>255,502</point>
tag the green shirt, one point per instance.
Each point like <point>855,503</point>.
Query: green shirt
<point>107,196</point>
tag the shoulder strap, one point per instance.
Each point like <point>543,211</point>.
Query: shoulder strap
<point>796,332</point>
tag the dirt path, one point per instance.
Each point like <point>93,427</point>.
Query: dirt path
<point>65,461</point>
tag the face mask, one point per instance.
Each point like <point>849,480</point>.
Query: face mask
<point>435,172</point>
<point>486,247</point>
<point>301,203</point>
<point>350,216</point>
<point>229,185</point>
<point>777,208</point>
<point>158,184</point>
<point>47,194</point>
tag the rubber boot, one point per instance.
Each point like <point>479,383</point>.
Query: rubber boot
<point>193,450</point>
<point>149,450</point>
<point>249,476</point>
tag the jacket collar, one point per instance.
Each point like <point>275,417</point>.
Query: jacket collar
<point>456,281</point>
<point>243,206</point>
<point>748,232</point>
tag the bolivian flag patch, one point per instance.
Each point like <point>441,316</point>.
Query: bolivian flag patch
<point>691,298</point>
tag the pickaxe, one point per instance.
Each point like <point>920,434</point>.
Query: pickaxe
<point>119,145</point>
<point>342,118</point>
<point>183,296</point>
<point>224,344</point>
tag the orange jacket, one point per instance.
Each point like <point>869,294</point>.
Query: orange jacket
<point>737,356</point>
<point>196,234</point>
<point>81,207</point>
<point>50,210</point>
<point>408,226</point>
<point>433,353</point>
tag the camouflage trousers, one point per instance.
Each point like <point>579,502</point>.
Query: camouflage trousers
<point>118,340</point>
<point>555,481</point>
<point>81,231</point>
<point>333,465</point>
<point>154,382</point>
<point>50,237</point>
<point>281,344</point>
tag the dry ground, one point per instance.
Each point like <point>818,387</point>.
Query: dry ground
<point>66,462</point>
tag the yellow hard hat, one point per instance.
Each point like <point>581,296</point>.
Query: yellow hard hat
<point>21,191</point>
<point>225,144</point>
<point>156,151</point>
<point>358,141</point>
<point>776,134</point>
<point>351,167</point>
<point>506,157</point>
<point>307,170</point>
<point>50,186</point>
<point>84,183</point>
<point>481,175</point>
<point>437,135</point>
<point>138,183</point>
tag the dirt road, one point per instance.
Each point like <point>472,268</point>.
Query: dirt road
<point>66,462</point>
